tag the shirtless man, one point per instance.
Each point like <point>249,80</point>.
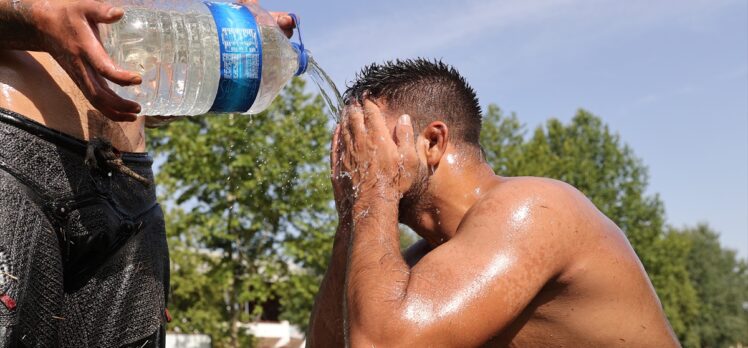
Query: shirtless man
<point>526,262</point>
<point>83,254</point>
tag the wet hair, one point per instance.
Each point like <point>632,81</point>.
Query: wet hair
<point>427,91</point>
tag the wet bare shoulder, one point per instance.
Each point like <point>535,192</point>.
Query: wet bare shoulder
<point>550,211</point>
<point>524,195</point>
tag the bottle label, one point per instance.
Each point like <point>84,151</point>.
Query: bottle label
<point>241,57</point>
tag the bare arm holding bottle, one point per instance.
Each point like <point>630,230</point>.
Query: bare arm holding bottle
<point>67,30</point>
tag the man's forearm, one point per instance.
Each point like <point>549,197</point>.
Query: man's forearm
<point>377,273</point>
<point>16,29</point>
<point>326,325</point>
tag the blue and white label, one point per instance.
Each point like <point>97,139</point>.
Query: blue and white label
<point>241,57</point>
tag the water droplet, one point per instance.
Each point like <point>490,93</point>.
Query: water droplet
<point>451,159</point>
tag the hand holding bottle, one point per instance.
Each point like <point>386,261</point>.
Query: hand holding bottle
<point>285,22</point>
<point>67,31</point>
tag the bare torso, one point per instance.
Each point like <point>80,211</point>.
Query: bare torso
<point>33,85</point>
<point>600,297</point>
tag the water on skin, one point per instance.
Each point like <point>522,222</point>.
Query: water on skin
<point>422,311</point>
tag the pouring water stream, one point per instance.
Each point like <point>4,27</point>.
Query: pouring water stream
<point>327,88</point>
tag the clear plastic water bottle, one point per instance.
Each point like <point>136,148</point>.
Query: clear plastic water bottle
<point>197,57</point>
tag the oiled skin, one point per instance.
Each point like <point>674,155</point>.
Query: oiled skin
<point>597,294</point>
<point>525,262</point>
<point>34,85</point>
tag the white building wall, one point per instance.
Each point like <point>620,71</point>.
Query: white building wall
<point>276,334</point>
<point>176,340</point>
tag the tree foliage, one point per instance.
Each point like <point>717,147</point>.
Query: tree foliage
<point>721,283</point>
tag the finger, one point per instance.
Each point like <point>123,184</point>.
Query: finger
<point>116,115</point>
<point>97,57</point>
<point>353,114</point>
<point>357,129</point>
<point>374,120</point>
<point>345,133</point>
<point>101,12</point>
<point>106,101</point>
<point>404,132</point>
<point>116,101</point>
<point>347,145</point>
<point>285,23</point>
<point>91,88</point>
<point>287,32</point>
<point>284,20</point>
<point>92,49</point>
<point>334,148</point>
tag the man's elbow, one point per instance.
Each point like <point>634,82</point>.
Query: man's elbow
<point>382,336</point>
<point>390,321</point>
<point>392,330</point>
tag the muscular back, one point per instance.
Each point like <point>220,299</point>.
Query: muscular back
<point>591,289</point>
<point>33,84</point>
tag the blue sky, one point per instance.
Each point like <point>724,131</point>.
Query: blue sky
<point>671,77</point>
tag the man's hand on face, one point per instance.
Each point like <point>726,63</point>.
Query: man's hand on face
<point>68,32</point>
<point>369,164</point>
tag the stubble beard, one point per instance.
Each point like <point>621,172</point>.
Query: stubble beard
<point>416,200</point>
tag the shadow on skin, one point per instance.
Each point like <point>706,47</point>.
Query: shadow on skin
<point>55,107</point>
<point>99,124</point>
<point>27,76</point>
<point>549,293</point>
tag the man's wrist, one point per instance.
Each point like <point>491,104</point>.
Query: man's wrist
<point>376,208</point>
<point>379,193</point>
<point>345,226</point>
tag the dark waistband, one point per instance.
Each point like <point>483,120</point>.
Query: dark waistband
<point>58,166</point>
<point>60,139</point>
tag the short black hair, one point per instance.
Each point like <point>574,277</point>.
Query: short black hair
<point>427,90</point>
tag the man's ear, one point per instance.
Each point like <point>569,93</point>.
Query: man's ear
<point>436,136</point>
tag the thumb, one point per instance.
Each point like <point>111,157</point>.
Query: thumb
<point>101,12</point>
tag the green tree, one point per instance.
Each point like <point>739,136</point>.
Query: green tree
<point>249,213</point>
<point>721,283</point>
<point>587,155</point>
